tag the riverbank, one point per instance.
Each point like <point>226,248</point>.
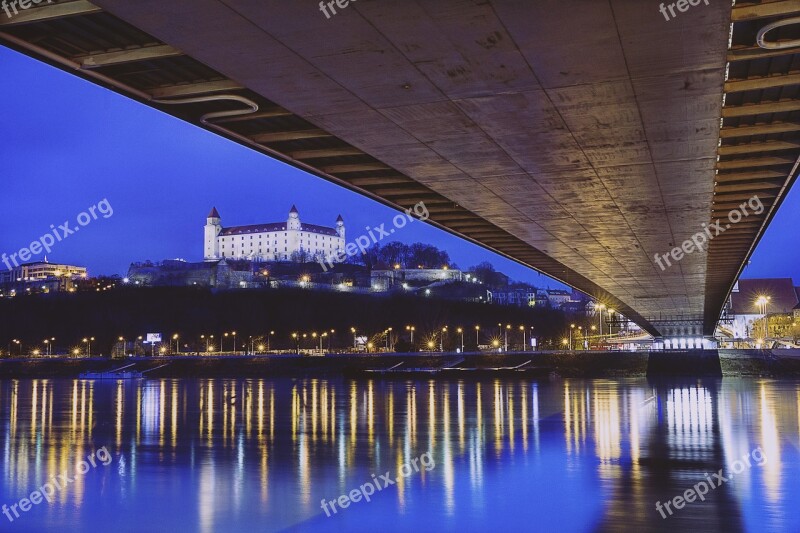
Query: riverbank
<point>589,364</point>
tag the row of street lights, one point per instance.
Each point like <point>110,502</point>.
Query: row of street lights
<point>208,340</point>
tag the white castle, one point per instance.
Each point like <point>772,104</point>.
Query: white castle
<point>278,241</point>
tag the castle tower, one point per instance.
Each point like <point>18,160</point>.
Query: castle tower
<point>212,231</point>
<point>293,223</point>
<point>340,226</point>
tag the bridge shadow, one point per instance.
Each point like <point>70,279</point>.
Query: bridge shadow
<point>683,448</point>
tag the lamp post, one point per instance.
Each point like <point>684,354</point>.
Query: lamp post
<point>610,322</point>
<point>271,333</point>
<point>411,329</point>
<point>296,342</point>
<point>508,327</point>
<point>461,331</point>
<point>477,336</point>
<point>353,330</point>
<point>88,342</point>
<point>571,327</point>
<point>522,329</point>
<point>441,339</point>
<point>176,338</point>
<point>762,302</point>
<point>600,307</point>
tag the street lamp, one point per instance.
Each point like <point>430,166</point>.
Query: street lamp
<point>508,327</point>
<point>296,342</point>
<point>271,333</point>
<point>177,343</point>
<point>411,329</point>
<point>88,342</point>
<point>441,339</point>
<point>600,308</point>
<point>571,327</point>
<point>221,347</point>
<point>477,335</point>
<point>762,302</point>
<point>461,331</point>
<point>353,330</point>
<point>522,329</point>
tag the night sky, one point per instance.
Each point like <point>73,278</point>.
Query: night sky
<point>68,144</point>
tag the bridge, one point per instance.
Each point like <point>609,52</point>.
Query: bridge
<point>584,139</point>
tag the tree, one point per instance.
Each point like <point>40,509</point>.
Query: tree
<point>394,253</point>
<point>427,256</point>
<point>486,273</point>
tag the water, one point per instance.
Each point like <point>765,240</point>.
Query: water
<point>504,455</point>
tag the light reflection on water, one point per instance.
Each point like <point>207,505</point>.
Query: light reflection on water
<point>244,455</point>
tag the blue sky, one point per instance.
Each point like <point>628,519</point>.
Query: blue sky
<point>68,144</point>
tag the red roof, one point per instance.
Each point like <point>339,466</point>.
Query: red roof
<point>214,213</point>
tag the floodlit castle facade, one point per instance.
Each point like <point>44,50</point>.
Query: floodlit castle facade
<point>279,241</point>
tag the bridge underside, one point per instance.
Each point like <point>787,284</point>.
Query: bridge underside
<point>580,138</point>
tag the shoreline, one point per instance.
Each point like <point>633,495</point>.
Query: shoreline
<point>588,364</point>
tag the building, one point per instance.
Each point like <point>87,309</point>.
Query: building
<point>278,241</point>
<point>780,297</point>
<point>558,298</point>
<point>41,270</point>
<point>41,277</point>
<point>520,296</point>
